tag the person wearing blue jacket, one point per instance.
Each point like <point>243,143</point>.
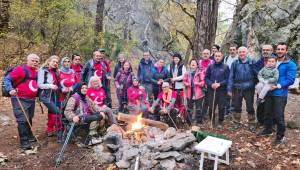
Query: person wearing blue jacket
<point>276,101</point>
<point>160,74</point>
<point>241,86</point>
<point>216,79</point>
<point>144,74</point>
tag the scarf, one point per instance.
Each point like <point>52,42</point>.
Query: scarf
<point>167,97</point>
<point>66,70</point>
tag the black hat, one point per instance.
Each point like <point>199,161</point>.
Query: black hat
<point>177,55</point>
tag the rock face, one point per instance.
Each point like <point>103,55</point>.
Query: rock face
<point>138,20</point>
<point>260,22</point>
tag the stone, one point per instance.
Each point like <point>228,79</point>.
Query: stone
<point>116,129</point>
<point>170,132</point>
<point>292,124</point>
<point>102,156</point>
<point>130,153</point>
<point>123,164</point>
<point>182,140</point>
<point>165,155</point>
<point>113,141</point>
<point>166,146</point>
<point>168,164</point>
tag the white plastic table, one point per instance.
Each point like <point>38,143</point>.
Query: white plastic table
<point>214,146</point>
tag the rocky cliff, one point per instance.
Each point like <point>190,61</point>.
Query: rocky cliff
<point>259,22</point>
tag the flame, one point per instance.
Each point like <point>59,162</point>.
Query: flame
<point>138,124</point>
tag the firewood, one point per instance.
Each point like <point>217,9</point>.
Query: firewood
<point>132,118</point>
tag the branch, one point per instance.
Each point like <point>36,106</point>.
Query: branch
<point>185,10</point>
<point>226,19</point>
<point>185,36</point>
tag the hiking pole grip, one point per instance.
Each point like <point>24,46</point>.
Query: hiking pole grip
<point>26,116</point>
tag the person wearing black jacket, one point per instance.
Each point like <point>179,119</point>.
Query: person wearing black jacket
<point>216,79</point>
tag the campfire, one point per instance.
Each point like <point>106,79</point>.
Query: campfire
<point>136,131</point>
<point>153,142</point>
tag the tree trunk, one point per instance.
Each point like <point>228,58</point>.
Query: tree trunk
<point>206,25</point>
<point>4,16</point>
<point>99,21</point>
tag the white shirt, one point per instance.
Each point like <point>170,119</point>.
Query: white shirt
<point>230,60</point>
<point>178,85</point>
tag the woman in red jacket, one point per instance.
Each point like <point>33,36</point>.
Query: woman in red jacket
<point>193,81</point>
<point>67,81</point>
<point>137,99</point>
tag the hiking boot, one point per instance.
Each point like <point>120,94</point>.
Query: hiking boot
<point>279,141</point>
<point>23,134</point>
<point>265,133</point>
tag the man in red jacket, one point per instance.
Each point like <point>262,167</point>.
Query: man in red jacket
<point>21,83</point>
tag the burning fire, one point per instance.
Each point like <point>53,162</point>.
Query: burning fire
<point>138,124</point>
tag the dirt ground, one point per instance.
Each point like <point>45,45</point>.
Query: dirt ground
<point>248,150</point>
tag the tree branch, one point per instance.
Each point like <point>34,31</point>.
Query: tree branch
<point>185,10</point>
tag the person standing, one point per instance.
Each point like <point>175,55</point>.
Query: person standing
<point>160,74</point>
<point>267,51</point>
<point>203,64</point>
<point>276,101</point>
<point>123,81</point>
<point>241,86</point>
<point>119,65</point>
<point>215,48</point>
<point>48,85</point>
<point>67,81</point>
<point>144,74</point>
<point>176,72</point>
<point>21,83</point>
<point>228,60</point>
<point>100,67</point>
<point>77,66</point>
<point>216,79</point>
<point>193,81</point>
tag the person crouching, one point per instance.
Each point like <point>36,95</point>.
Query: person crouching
<point>137,99</point>
<point>81,110</point>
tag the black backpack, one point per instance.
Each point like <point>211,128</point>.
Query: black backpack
<point>5,93</point>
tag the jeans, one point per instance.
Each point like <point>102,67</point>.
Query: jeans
<point>198,105</point>
<point>28,105</point>
<point>219,100</point>
<point>260,113</point>
<point>274,110</point>
<point>237,99</point>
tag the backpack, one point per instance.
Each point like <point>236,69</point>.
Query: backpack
<point>5,93</point>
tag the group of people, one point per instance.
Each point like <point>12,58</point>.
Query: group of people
<point>83,94</point>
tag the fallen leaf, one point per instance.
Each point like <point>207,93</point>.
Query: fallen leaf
<point>251,163</point>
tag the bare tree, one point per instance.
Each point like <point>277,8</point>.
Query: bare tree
<point>4,16</point>
<point>99,20</point>
<point>206,25</point>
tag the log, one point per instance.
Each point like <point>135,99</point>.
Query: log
<point>132,118</point>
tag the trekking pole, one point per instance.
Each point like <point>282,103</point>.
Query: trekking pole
<point>213,108</point>
<point>172,120</point>
<point>27,119</point>
<point>60,155</point>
